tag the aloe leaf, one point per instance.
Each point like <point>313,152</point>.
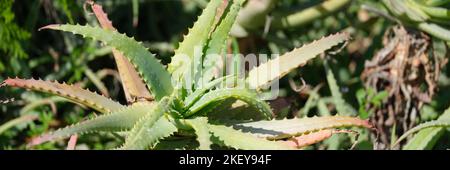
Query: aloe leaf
<point>414,12</point>
<point>291,20</point>
<point>241,94</point>
<point>96,81</point>
<point>189,101</point>
<point>73,93</point>
<point>200,125</point>
<point>436,2</point>
<point>17,121</point>
<point>430,124</point>
<point>426,138</point>
<point>117,121</point>
<point>150,128</point>
<point>435,30</point>
<point>438,12</point>
<point>149,68</point>
<point>253,14</point>
<point>217,43</point>
<point>197,37</point>
<point>239,140</point>
<point>309,139</point>
<point>341,106</point>
<point>149,136</point>
<point>278,129</point>
<point>280,66</point>
<point>233,109</point>
<point>132,83</point>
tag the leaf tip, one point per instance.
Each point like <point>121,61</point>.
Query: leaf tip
<point>51,26</point>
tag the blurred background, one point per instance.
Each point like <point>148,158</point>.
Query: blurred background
<point>393,71</point>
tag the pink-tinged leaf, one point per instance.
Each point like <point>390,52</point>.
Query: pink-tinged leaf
<point>286,128</point>
<point>72,142</point>
<point>315,137</point>
<point>309,139</point>
<point>39,140</point>
<point>73,93</point>
<point>102,16</point>
<point>133,85</point>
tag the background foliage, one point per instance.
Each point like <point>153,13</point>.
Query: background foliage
<point>333,84</point>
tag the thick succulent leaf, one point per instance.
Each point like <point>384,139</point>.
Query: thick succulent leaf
<point>426,138</point>
<point>233,109</point>
<point>435,123</point>
<point>436,2</point>
<point>309,139</point>
<point>300,18</point>
<point>132,83</point>
<point>253,15</point>
<point>414,11</point>
<point>241,94</point>
<point>150,69</point>
<point>189,101</point>
<point>209,109</point>
<point>239,140</point>
<point>121,120</point>
<point>73,93</point>
<point>150,128</point>
<point>280,66</point>
<point>435,30</point>
<point>423,126</point>
<point>404,11</point>
<point>200,125</point>
<point>438,12</point>
<point>286,128</point>
<point>197,37</point>
<point>218,40</point>
<point>150,134</point>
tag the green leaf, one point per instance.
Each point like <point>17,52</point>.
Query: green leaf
<point>313,98</point>
<point>379,97</point>
<point>239,140</point>
<point>197,37</point>
<point>435,123</point>
<point>435,30</point>
<point>120,120</point>
<point>150,128</point>
<point>280,66</point>
<point>133,85</point>
<point>436,2</point>
<point>341,106</point>
<point>218,40</point>
<point>73,93</point>
<point>189,101</point>
<point>286,128</point>
<point>426,138</point>
<point>200,125</point>
<point>241,94</point>
<point>149,68</point>
<point>17,121</point>
<point>438,12</point>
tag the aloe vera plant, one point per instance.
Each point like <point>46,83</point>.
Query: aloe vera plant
<point>428,16</point>
<point>164,109</point>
